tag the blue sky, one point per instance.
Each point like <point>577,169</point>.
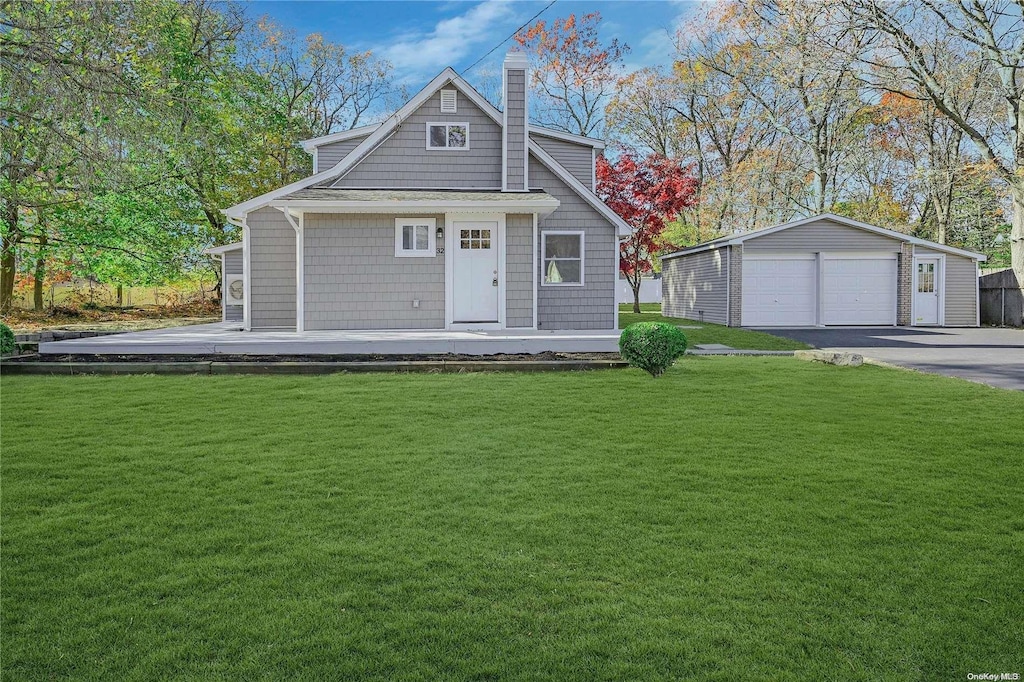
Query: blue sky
<point>421,38</point>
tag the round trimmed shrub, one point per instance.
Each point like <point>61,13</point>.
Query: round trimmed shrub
<point>652,346</point>
<point>7,343</point>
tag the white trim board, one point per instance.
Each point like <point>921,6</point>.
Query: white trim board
<point>226,248</point>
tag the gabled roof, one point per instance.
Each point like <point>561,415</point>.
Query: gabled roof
<point>842,220</point>
<point>314,142</point>
<point>381,132</point>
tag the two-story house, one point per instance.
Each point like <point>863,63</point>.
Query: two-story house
<point>450,214</point>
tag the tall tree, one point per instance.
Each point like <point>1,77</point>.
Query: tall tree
<point>647,194</point>
<point>574,73</point>
<point>907,62</point>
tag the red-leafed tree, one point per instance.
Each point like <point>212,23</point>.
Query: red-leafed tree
<point>648,194</point>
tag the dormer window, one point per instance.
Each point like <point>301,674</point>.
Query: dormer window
<point>447,136</point>
<point>448,101</point>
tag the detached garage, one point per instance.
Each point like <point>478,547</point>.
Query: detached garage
<point>822,271</point>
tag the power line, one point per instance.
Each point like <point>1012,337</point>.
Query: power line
<point>511,35</point>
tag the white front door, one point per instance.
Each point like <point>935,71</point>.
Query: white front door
<point>779,291</point>
<point>475,272</point>
<point>926,290</point>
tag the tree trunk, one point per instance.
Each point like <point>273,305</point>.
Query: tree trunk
<point>1017,232</point>
<point>37,286</point>
<point>120,295</point>
<point>8,261</point>
<point>636,294</point>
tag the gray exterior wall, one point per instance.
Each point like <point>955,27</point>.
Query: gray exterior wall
<point>515,132</point>
<point>518,265</point>
<point>591,306</point>
<point>330,154</point>
<point>354,281</point>
<point>696,285</point>
<point>403,159</point>
<point>272,280</point>
<point>234,262</point>
<point>821,235</point>
<point>578,159</point>
<point>961,293</point>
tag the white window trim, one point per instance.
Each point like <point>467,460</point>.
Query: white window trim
<point>543,259</point>
<point>446,148</point>
<point>431,224</point>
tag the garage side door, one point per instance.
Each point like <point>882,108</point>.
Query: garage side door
<point>779,292</point>
<point>859,291</point>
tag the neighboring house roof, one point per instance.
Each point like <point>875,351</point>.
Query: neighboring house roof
<point>849,222</point>
<point>385,129</point>
<point>218,250</point>
<point>439,200</point>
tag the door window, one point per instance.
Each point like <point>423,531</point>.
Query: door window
<point>474,239</point>
<point>926,278</point>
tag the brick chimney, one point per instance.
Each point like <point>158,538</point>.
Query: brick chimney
<point>515,171</point>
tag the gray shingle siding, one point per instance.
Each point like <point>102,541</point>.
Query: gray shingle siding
<point>272,280</point>
<point>403,160</point>
<point>330,154</point>
<point>354,281</point>
<point>591,306</point>
<point>515,103</point>
<point>578,159</point>
<point>697,285</point>
<point>961,293</point>
<point>234,261</point>
<point>822,235</point>
<point>518,265</point>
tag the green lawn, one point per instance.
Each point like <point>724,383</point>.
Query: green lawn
<point>709,333</point>
<point>740,518</point>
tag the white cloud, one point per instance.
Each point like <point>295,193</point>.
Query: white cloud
<point>416,54</point>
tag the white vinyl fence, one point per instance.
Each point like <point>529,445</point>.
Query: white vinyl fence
<point>650,291</point>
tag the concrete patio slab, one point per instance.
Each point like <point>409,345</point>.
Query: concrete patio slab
<point>227,338</point>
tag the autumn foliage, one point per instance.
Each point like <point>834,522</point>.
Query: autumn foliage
<point>647,194</point>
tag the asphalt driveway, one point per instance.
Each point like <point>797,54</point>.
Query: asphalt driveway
<point>988,355</point>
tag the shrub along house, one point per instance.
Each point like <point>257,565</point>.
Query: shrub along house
<point>450,214</point>
<point>822,271</point>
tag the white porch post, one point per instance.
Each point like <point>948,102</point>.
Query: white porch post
<point>536,270</point>
<point>300,287</point>
<point>246,276</point>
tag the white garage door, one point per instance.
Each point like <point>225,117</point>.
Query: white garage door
<point>779,292</point>
<point>859,291</point>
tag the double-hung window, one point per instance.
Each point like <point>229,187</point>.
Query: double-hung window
<point>563,258</point>
<point>447,136</point>
<point>414,237</point>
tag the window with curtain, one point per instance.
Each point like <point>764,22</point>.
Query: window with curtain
<point>563,258</point>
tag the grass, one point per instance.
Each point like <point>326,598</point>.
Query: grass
<point>740,518</point>
<point>707,332</point>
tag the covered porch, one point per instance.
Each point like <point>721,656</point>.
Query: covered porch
<point>225,338</point>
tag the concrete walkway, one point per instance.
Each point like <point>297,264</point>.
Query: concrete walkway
<point>993,356</point>
<point>226,338</point>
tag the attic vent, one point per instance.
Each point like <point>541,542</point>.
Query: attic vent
<point>448,101</point>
